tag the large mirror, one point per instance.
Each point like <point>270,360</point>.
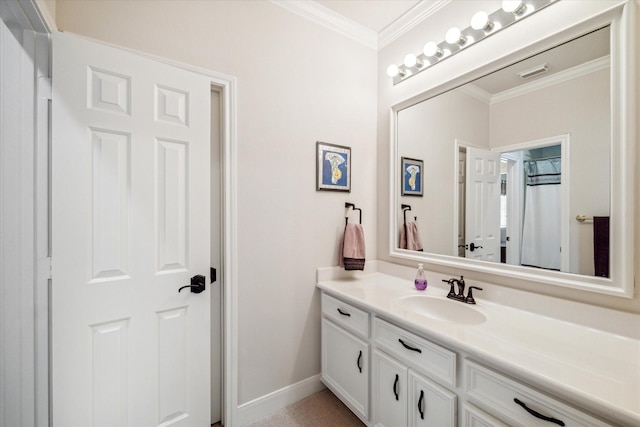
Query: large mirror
<point>513,171</point>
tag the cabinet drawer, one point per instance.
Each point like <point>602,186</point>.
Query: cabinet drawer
<point>434,361</point>
<point>346,315</point>
<point>474,417</point>
<point>498,394</point>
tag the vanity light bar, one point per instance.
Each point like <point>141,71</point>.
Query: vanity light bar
<point>482,26</point>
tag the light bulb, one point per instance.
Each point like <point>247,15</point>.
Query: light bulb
<point>411,61</point>
<point>393,70</point>
<point>480,21</point>
<point>432,49</point>
<point>454,36</point>
<point>517,7</point>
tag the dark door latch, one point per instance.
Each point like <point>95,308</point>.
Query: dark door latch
<point>473,247</point>
<point>197,284</point>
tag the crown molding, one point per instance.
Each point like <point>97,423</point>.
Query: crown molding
<point>408,21</point>
<point>334,21</point>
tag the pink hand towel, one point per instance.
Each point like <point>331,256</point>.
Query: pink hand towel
<point>410,237</point>
<point>353,250</point>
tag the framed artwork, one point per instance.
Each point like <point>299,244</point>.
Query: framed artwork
<point>333,167</point>
<point>411,179</point>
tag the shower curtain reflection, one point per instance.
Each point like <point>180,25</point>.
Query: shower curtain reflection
<point>542,213</point>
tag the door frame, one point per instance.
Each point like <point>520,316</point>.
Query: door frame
<point>30,178</point>
<point>515,179</point>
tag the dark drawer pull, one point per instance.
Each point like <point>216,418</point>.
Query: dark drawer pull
<point>408,347</point>
<point>344,313</point>
<point>358,362</point>
<point>395,387</point>
<point>420,405</point>
<point>537,414</point>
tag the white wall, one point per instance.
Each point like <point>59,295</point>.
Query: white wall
<point>529,35</point>
<point>426,132</point>
<point>297,83</point>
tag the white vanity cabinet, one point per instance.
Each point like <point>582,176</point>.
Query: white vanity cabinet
<point>345,353</point>
<point>415,382</point>
<point>404,393</point>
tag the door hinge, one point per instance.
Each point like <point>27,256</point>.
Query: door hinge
<point>44,268</point>
<point>44,87</point>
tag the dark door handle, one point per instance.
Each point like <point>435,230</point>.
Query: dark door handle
<point>473,247</point>
<point>344,313</point>
<point>358,362</point>
<point>197,284</point>
<point>538,414</point>
<point>420,404</point>
<point>395,387</point>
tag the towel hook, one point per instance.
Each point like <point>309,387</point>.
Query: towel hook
<point>351,205</point>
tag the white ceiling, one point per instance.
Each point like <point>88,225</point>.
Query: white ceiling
<point>373,14</point>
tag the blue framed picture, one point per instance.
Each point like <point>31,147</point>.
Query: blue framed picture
<point>333,167</point>
<point>412,176</point>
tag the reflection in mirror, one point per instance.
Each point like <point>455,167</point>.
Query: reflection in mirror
<point>510,161</point>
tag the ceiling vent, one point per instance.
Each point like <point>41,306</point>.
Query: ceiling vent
<point>532,72</point>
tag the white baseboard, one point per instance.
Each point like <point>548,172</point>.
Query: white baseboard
<point>279,399</point>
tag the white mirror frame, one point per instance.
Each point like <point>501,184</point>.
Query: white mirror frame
<point>622,18</point>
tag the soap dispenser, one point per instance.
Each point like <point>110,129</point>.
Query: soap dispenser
<point>421,281</point>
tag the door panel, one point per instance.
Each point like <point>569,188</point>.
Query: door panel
<point>130,221</point>
<point>482,225</point>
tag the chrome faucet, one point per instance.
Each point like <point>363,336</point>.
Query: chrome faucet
<point>460,295</point>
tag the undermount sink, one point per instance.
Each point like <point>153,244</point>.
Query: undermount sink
<point>454,312</point>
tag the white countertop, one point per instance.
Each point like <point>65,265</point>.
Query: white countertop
<point>598,371</point>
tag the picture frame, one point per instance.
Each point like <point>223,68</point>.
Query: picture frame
<point>333,167</point>
<point>411,176</point>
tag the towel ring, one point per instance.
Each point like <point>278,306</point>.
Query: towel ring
<point>406,208</point>
<point>351,205</point>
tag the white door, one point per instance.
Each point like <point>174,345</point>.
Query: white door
<point>130,225</point>
<point>482,224</point>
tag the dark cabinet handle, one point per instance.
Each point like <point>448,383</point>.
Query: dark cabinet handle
<point>420,404</point>
<point>537,414</point>
<point>358,362</point>
<point>395,387</point>
<point>408,347</point>
<point>344,313</point>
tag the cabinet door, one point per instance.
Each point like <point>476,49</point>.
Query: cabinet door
<point>389,391</point>
<point>430,404</point>
<point>345,367</point>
